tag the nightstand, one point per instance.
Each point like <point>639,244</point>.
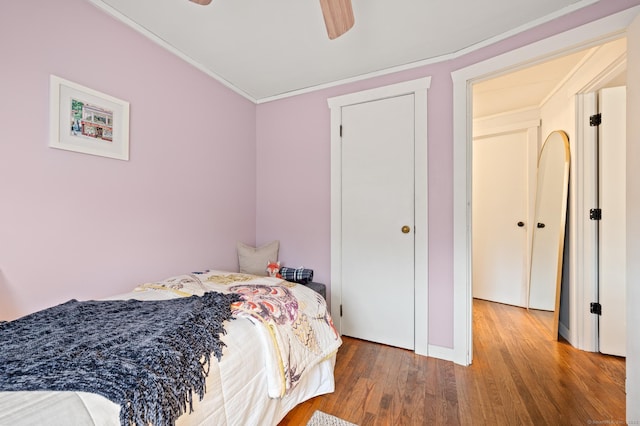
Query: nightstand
<point>318,288</point>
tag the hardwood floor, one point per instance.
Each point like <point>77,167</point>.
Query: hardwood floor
<point>519,376</point>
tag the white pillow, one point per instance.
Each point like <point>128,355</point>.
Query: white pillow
<point>254,260</point>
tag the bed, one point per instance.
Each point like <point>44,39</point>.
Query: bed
<point>278,349</point>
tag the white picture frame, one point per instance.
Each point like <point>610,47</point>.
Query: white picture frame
<point>87,121</point>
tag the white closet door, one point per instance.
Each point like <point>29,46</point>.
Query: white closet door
<point>377,202</point>
<point>612,227</point>
<point>500,204</point>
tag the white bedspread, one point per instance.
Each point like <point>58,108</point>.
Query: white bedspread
<point>238,387</point>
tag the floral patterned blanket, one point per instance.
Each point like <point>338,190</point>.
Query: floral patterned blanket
<point>296,327</point>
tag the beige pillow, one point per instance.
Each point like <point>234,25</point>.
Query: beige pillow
<point>254,260</point>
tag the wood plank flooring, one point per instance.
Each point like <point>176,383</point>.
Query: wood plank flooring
<point>519,376</point>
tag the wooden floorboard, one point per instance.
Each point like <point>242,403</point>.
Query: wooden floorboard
<point>520,376</point>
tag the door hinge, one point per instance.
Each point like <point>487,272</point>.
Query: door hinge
<point>595,120</point>
<point>340,310</point>
<point>595,308</point>
<point>595,214</point>
<point>341,130</point>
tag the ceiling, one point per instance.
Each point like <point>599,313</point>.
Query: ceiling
<point>530,87</point>
<point>269,49</point>
<point>523,89</point>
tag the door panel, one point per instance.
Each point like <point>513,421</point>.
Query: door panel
<point>500,202</point>
<point>377,201</point>
<point>612,227</point>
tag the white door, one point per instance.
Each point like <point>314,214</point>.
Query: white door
<point>377,203</point>
<point>612,226</point>
<point>500,206</point>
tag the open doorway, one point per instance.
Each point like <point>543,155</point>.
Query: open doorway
<point>585,36</point>
<point>513,113</point>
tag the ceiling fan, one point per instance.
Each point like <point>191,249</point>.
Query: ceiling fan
<point>338,15</point>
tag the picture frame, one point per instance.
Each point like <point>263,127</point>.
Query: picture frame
<point>88,121</point>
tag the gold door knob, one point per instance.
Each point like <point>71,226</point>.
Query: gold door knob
<point>406,229</point>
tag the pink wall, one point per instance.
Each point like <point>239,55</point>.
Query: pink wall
<point>82,226</point>
<point>207,167</point>
<point>293,159</point>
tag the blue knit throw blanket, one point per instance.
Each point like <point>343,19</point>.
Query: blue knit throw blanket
<point>150,357</point>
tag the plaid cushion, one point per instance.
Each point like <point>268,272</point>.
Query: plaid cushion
<point>299,275</point>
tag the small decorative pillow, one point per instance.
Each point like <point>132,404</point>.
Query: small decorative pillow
<point>300,275</point>
<point>254,260</point>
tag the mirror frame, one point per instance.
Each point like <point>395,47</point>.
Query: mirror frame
<point>559,245</point>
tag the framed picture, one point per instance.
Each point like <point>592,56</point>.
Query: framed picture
<point>85,120</point>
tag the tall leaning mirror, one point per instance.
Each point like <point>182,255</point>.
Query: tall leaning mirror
<point>549,226</point>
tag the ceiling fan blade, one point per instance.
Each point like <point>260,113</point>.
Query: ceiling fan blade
<point>338,17</point>
<point>202,2</point>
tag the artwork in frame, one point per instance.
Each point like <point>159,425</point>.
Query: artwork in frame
<point>85,120</point>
